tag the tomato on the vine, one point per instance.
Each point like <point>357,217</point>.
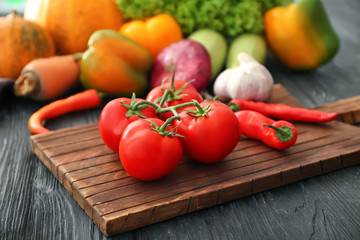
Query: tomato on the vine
<point>148,152</point>
<point>181,92</point>
<point>115,117</point>
<point>210,134</point>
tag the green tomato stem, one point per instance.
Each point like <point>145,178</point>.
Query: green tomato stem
<point>200,110</point>
<point>187,104</point>
<point>163,99</point>
<point>144,102</point>
<point>168,121</point>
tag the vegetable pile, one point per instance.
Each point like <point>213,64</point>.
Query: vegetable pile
<point>152,135</point>
<point>139,44</point>
<point>156,59</point>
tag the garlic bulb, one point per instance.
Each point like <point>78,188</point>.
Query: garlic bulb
<point>249,81</point>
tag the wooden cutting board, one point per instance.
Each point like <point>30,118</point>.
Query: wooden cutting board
<point>116,202</point>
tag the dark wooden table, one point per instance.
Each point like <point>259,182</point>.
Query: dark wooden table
<point>34,205</point>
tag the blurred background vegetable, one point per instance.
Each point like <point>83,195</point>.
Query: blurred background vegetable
<point>114,64</point>
<point>48,78</point>
<point>229,17</point>
<point>81,101</point>
<point>71,22</point>
<point>154,33</point>
<point>300,35</point>
<point>20,42</point>
<point>252,44</point>
<point>189,60</point>
<point>215,44</point>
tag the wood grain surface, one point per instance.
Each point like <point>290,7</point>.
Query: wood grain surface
<point>117,203</point>
<point>35,205</point>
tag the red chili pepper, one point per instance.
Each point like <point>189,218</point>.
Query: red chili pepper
<point>80,101</point>
<point>284,112</point>
<point>276,134</point>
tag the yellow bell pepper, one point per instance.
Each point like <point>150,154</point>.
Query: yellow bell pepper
<point>154,33</point>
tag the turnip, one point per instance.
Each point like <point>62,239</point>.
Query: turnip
<point>188,59</point>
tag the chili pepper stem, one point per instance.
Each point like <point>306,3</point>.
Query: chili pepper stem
<point>234,107</point>
<point>282,134</point>
<point>275,128</point>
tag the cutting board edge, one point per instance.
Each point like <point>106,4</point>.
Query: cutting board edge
<point>110,227</point>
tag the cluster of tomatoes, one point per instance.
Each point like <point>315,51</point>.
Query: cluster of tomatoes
<point>151,135</point>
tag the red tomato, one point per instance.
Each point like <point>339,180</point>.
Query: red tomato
<point>210,138</point>
<point>186,95</point>
<point>113,121</point>
<point>145,154</point>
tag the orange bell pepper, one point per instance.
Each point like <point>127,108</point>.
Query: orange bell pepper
<point>154,33</point>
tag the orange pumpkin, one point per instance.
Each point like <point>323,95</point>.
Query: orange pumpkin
<point>71,22</point>
<point>21,41</point>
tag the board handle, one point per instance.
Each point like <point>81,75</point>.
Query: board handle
<point>348,109</point>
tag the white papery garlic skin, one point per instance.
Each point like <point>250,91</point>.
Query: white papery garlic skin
<point>250,81</point>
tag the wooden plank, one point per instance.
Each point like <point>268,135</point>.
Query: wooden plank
<point>246,179</point>
<point>348,109</point>
<point>84,164</point>
<point>89,134</point>
<point>111,200</point>
<point>116,202</point>
<point>44,137</point>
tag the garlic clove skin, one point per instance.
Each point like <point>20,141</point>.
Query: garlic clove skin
<point>220,85</point>
<point>249,81</point>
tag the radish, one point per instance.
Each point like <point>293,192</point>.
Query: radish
<point>188,59</point>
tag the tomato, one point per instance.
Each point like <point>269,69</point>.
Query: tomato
<point>145,154</point>
<point>188,94</point>
<point>113,120</point>
<point>209,138</point>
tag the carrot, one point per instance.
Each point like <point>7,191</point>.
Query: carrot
<point>46,79</point>
<point>80,101</point>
